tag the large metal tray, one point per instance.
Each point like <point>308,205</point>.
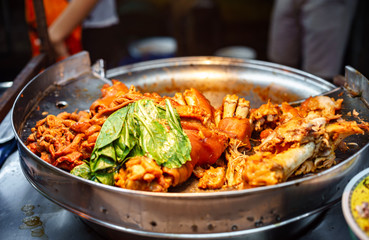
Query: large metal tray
<point>71,85</point>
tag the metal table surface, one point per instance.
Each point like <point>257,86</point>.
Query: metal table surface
<point>26,214</point>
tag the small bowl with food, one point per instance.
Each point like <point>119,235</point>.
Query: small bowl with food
<point>355,204</point>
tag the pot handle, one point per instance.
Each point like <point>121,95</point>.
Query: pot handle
<point>98,70</point>
<point>357,85</point>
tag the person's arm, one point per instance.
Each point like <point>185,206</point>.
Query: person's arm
<point>69,19</point>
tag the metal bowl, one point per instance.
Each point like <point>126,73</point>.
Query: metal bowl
<point>71,85</point>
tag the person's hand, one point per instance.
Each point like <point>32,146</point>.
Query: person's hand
<point>68,20</point>
<point>61,50</point>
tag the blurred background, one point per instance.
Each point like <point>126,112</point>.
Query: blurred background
<point>195,28</point>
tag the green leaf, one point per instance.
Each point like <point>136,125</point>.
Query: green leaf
<point>107,151</point>
<point>102,163</point>
<point>152,140</point>
<point>82,171</point>
<point>161,135</point>
<point>105,177</point>
<point>111,129</point>
<point>121,150</point>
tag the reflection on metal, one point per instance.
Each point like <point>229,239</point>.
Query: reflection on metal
<point>6,131</point>
<point>6,84</point>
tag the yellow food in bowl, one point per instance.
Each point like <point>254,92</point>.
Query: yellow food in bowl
<point>359,204</point>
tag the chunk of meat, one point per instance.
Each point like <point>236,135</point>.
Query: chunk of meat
<point>108,95</point>
<point>207,145</point>
<point>297,130</point>
<point>237,128</point>
<point>179,175</point>
<point>302,140</point>
<point>141,173</point>
<point>213,178</point>
<point>326,106</point>
<point>194,98</point>
<point>62,140</point>
<point>267,115</point>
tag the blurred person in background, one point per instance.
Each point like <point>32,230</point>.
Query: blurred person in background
<point>77,25</point>
<point>311,35</point>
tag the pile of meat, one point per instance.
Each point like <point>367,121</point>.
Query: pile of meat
<point>233,147</point>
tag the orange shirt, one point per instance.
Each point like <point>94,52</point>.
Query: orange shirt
<point>52,10</point>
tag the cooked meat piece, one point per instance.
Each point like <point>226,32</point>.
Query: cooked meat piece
<point>108,95</point>
<point>326,106</point>
<point>179,175</point>
<point>207,145</point>
<point>267,115</point>
<point>62,141</point>
<point>194,98</point>
<point>213,178</point>
<point>265,168</point>
<point>237,128</point>
<point>141,173</point>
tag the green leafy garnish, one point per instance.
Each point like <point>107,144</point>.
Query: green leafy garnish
<point>139,129</point>
<point>82,170</point>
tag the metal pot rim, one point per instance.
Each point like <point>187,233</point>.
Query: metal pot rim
<point>214,60</point>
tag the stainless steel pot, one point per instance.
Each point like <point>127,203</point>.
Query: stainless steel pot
<point>71,85</point>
